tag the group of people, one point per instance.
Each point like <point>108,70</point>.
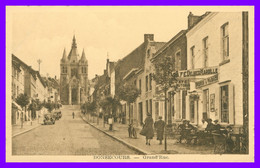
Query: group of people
<point>148,130</point>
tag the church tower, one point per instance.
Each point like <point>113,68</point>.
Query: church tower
<point>73,76</point>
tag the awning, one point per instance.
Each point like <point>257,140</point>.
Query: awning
<point>17,105</point>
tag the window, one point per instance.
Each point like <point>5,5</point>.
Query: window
<point>206,102</point>
<point>74,72</point>
<point>156,110</point>
<point>148,53</point>
<point>18,76</point>
<point>83,69</point>
<point>225,41</point>
<point>205,52</point>
<point>140,85</point>
<point>150,81</point>
<point>224,104</point>
<point>146,83</point>
<point>192,111</point>
<point>147,106</point>
<point>151,106</point>
<point>64,69</point>
<point>192,57</point>
<point>177,60</point>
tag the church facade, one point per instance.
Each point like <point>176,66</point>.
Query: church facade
<point>73,76</point>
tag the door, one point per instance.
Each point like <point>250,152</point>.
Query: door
<point>140,109</point>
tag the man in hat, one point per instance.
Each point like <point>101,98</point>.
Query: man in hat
<point>216,126</point>
<point>210,127</point>
<point>159,126</point>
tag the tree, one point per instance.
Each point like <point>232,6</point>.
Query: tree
<point>166,76</point>
<point>49,106</point>
<point>33,107</point>
<point>128,93</point>
<point>23,101</point>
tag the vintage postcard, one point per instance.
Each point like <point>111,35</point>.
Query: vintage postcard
<point>130,84</point>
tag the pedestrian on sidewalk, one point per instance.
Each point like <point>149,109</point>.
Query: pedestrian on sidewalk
<point>159,127</point>
<point>73,114</point>
<point>147,130</point>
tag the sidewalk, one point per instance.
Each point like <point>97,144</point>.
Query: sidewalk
<point>120,133</point>
<point>27,126</point>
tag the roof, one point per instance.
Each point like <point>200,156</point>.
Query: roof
<point>34,73</point>
<point>24,65</point>
<point>130,73</point>
<point>166,45</point>
<point>133,60</point>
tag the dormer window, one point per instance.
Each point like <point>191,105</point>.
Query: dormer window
<point>148,53</point>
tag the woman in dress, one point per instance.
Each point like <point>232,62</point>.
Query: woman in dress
<point>147,130</point>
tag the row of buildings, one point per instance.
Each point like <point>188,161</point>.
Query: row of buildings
<point>26,80</point>
<point>211,62</point>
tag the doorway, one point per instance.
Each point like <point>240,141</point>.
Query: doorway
<point>140,109</point>
<point>74,95</point>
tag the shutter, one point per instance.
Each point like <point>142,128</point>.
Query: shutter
<point>231,103</point>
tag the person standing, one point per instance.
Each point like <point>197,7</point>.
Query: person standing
<point>147,130</point>
<point>159,126</point>
<point>73,114</point>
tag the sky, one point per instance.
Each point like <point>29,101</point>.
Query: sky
<point>44,32</point>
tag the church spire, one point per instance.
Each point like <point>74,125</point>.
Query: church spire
<point>73,55</point>
<point>74,44</point>
<point>64,57</point>
<point>83,57</point>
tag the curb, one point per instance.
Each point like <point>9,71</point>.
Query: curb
<point>119,140</point>
<point>20,133</point>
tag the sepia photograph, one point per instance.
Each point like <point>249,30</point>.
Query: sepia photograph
<point>130,84</point>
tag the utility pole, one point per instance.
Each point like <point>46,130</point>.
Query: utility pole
<point>39,62</point>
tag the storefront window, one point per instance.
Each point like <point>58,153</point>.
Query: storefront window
<point>224,104</point>
<point>184,94</point>
<point>192,111</point>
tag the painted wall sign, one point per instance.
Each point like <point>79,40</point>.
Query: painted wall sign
<point>207,81</point>
<point>212,102</point>
<point>198,72</point>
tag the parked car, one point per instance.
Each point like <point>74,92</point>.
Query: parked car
<point>57,115</point>
<point>48,119</point>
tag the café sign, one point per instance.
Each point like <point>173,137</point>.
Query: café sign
<point>198,72</point>
<point>207,81</point>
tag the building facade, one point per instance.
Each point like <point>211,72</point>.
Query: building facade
<point>176,104</point>
<point>73,76</point>
<point>215,52</point>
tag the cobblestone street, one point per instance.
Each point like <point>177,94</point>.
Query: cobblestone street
<point>67,137</point>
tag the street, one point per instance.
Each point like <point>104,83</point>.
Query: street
<point>67,136</point>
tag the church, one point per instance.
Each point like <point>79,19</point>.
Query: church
<point>73,76</point>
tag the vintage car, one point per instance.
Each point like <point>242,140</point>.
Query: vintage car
<point>48,119</point>
<point>57,115</point>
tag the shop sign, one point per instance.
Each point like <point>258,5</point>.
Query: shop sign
<point>198,72</point>
<point>207,81</point>
<point>184,84</point>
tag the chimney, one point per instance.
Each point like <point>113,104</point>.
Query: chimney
<point>149,37</point>
<point>192,20</point>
